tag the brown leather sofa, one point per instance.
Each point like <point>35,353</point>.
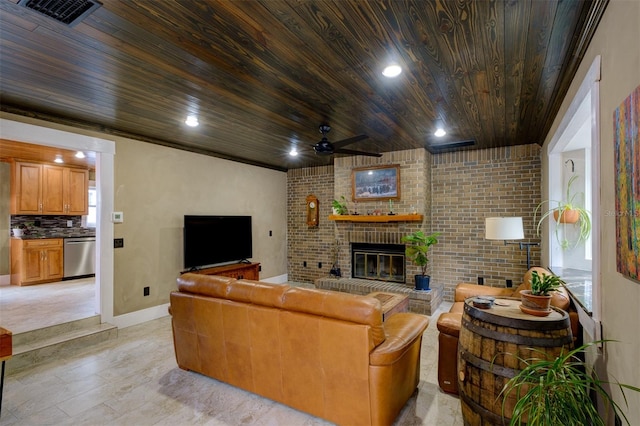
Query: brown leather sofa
<point>323,352</point>
<point>449,323</point>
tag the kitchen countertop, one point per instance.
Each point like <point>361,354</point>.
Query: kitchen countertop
<point>55,235</point>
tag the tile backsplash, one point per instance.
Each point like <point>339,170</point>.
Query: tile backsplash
<point>51,225</point>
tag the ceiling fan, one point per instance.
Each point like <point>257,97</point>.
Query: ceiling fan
<point>324,147</point>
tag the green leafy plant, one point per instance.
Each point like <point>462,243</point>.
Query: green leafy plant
<point>418,245</point>
<point>542,285</point>
<point>564,207</point>
<point>340,207</point>
<point>557,391</point>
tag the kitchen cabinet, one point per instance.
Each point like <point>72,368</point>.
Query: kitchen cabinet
<point>48,189</point>
<point>36,261</point>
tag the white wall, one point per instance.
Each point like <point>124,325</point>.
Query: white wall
<point>617,40</point>
<point>156,186</point>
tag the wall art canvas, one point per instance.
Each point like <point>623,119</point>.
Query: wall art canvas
<point>626,122</point>
<point>376,183</point>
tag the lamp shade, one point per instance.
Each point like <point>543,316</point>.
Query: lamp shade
<point>503,228</point>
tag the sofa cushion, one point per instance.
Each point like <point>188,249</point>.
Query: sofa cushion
<point>342,306</point>
<point>258,293</point>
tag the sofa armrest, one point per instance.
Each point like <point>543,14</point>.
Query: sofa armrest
<point>450,323</point>
<point>466,290</point>
<point>401,331</point>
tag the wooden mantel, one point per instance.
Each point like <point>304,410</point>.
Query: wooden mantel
<point>377,218</point>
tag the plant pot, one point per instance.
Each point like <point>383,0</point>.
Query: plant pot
<point>422,282</point>
<point>568,216</point>
<point>534,304</point>
<point>17,232</point>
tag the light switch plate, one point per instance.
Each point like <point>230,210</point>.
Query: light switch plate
<point>117,217</point>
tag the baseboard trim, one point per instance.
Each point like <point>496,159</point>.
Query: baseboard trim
<point>279,279</point>
<point>143,315</point>
<point>155,312</point>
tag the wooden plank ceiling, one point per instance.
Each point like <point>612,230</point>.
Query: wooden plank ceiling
<point>263,75</point>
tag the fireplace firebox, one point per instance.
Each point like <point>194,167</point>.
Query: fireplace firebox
<point>383,262</point>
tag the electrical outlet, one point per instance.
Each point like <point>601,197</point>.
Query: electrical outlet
<point>304,263</point>
<point>509,283</point>
<point>70,224</point>
<point>481,280</point>
<point>320,265</point>
<point>271,233</point>
<point>146,291</point>
<point>118,242</point>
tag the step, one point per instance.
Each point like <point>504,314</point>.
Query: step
<point>33,347</point>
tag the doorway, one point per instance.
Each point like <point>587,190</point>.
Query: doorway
<point>105,151</point>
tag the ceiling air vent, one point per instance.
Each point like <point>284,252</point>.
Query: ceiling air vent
<point>68,12</point>
<point>450,146</point>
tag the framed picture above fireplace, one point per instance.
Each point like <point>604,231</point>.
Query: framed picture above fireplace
<point>376,183</point>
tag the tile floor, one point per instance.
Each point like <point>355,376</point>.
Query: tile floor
<point>33,307</point>
<point>134,380</point>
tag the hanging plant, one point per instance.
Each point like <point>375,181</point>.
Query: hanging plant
<point>566,212</point>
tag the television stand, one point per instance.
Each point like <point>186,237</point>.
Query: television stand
<point>246,271</point>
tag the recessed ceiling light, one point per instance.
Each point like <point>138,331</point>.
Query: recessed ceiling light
<point>293,152</point>
<point>440,132</point>
<point>392,70</point>
<point>80,154</point>
<point>191,121</point>
<point>58,159</point>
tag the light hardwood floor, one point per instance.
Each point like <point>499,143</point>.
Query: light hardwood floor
<point>134,380</point>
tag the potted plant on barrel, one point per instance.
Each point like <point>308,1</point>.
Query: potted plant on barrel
<point>537,301</point>
<point>417,246</point>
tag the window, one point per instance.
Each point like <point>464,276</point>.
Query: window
<point>573,150</point>
<point>89,221</point>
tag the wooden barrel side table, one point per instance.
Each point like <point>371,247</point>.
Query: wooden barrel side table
<point>492,342</point>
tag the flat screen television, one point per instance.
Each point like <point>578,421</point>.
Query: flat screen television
<point>210,240</point>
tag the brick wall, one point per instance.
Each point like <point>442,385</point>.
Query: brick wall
<point>454,191</point>
<point>469,186</point>
<point>309,244</point>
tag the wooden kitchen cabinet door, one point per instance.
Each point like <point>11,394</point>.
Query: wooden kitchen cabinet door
<point>26,188</point>
<point>53,178</point>
<point>53,263</point>
<point>32,267</point>
<point>77,193</point>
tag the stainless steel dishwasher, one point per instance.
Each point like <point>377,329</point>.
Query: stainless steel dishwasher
<point>79,256</point>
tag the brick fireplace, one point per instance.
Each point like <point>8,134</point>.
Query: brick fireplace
<point>415,175</point>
